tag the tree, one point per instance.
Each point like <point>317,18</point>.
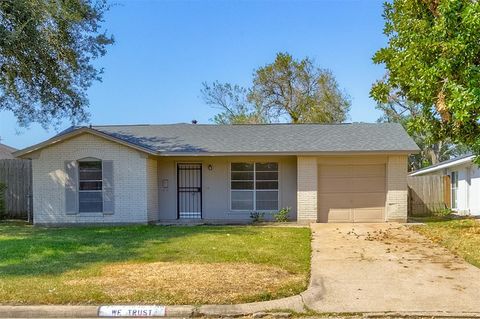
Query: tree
<point>46,53</point>
<point>400,111</point>
<point>433,61</point>
<point>232,100</point>
<point>299,90</point>
<point>287,89</point>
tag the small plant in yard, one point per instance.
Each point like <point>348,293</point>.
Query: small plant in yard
<point>3,187</point>
<point>282,215</point>
<point>257,217</point>
<point>443,212</point>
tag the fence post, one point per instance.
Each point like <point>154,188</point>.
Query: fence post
<point>447,191</point>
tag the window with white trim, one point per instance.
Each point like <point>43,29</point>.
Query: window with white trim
<point>454,181</point>
<point>90,182</point>
<point>254,186</point>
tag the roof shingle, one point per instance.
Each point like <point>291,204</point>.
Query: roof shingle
<point>270,138</point>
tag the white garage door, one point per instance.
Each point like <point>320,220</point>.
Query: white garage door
<point>351,193</point>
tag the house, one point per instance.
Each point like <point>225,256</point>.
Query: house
<point>6,152</point>
<point>221,173</point>
<point>464,180</point>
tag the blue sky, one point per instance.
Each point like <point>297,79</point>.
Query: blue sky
<point>164,50</point>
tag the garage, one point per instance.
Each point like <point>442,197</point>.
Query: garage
<point>351,193</point>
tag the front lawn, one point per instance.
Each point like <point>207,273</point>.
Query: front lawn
<point>461,236</point>
<point>151,264</point>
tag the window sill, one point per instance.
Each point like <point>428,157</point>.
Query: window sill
<point>91,214</point>
<point>251,211</point>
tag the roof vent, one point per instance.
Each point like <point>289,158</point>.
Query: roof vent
<point>194,121</point>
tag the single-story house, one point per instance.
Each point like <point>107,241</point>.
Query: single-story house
<point>6,152</point>
<point>464,180</point>
<point>221,173</point>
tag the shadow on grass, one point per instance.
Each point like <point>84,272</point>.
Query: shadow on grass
<point>27,250</point>
<point>437,219</point>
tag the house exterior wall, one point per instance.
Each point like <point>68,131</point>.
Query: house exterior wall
<point>397,189</point>
<point>468,192</point>
<point>49,177</point>
<point>307,188</point>
<point>216,186</point>
<point>152,189</point>
<point>396,183</point>
<point>145,188</point>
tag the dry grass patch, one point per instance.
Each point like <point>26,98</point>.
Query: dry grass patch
<point>187,283</point>
<point>460,236</point>
<point>151,264</point>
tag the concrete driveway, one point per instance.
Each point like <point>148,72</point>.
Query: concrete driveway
<point>387,267</point>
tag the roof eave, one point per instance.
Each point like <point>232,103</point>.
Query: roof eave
<point>60,138</point>
<point>280,153</point>
<point>443,166</point>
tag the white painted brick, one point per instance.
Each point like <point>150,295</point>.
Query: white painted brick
<point>307,188</point>
<point>152,189</point>
<point>397,193</point>
<point>130,181</point>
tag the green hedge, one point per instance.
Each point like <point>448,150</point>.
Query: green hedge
<point>3,187</point>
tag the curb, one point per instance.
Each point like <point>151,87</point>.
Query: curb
<point>417,314</point>
<point>48,311</point>
<point>224,311</point>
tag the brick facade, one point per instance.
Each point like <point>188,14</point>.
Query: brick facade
<point>397,191</point>
<point>130,187</point>
<point>396,205</point>
<point>138,199</point>
<point>307,189</point>
<point>152,189</point>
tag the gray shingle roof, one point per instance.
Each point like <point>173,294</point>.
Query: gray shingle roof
<point>6,151</point>
<point>271,138</point>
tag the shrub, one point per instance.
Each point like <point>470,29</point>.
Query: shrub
<point>443,212</point>
<point>257,217</point>
<point>3,212</point>
<point>283,215</point>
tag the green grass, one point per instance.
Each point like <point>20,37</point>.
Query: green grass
<point>461,236</point>
<point>36,263</point>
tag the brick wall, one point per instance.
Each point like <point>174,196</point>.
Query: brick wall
<point>306,189</point>
<point>130,181</point>
<point>397,193</point>
<point>152,190</point>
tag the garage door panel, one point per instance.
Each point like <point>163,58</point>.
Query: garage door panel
<point>338,171</point>
<point>331,185</point>
<point>335,200</point>
<point>338,215</point>
<point>368,214</point>
<point>367,200</point>
<point>351,193</point>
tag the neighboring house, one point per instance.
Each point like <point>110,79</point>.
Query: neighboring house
<point>6,152</point>
<point>464,180</point>
<point>221,173</point>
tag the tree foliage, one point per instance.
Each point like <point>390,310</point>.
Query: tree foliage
<point>396,111</point>
<point>433,61</point>
<point>287,89</point>
<point>46,53</point>
<point>233,103</point>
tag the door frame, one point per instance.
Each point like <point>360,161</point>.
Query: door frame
<point>177,166</point>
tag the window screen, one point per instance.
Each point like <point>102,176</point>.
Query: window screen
<point>90,195</point>
<point>254,186</point>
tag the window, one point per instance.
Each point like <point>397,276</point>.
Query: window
<point>254,186</point>
<point>90,196</point>
<point>454,181</point>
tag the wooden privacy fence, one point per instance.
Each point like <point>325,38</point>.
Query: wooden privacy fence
<point>16,174</point>
<point>428,194</point>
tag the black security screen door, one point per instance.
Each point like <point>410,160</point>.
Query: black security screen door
<point>189,190</point>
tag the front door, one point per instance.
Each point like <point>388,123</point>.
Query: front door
<point>189,190</point>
